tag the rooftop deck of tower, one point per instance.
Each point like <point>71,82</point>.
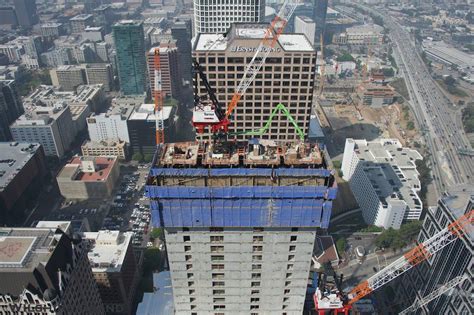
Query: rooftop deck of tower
<point>241,184</point>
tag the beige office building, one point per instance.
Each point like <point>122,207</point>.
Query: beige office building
<point>287,77</point>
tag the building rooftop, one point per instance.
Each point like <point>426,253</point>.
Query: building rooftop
<point>146,112</point>
<point>13,157</point>
<point>107,249</point>
<point>82,17</point>
<point>366,28</point>
<point>103,144</point>
<point>128,23</point>
<point>391,169</point>
<point>78,169</point>
<point>449,53</point>
<point>244,154</point>
<point>216,42</point>
<point>457,200</point>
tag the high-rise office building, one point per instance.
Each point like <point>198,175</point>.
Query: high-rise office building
<point>80,22</point>
<point>114,268</point>
<point>319,16</point>
<point>170,76</point>
<point>455,260</point>
<point>383,178</point>
<point>52,126</point>
<point>287,77</point>
<point>181,30</point>
<point>45,271</point>
<point>218,16</point>
<point>11,108</point>
<point>240,221</point>
<point>305,25</point>
<point>68,77</point>
<point>26,12</point>
<point>23,170</point>
<point>130,46</point>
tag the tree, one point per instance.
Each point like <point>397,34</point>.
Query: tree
<point>388,72</point>
<point>148,158</point>
<point>341,245</point>
<point>345,57</point>
<point>410,125</point>
<point>151,260</point>
<point>137,157</point>
<point>157,233</point>
<point>449,80</point>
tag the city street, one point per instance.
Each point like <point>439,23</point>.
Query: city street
<point>442,129</point>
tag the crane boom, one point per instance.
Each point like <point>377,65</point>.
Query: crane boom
<point>158,97</point>
<point>415,256</point>
<point>434,294</point>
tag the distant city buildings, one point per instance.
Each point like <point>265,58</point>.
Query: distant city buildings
<point>142,128</point>
<point>11,107</point>
<point>218,16</point>
<point>182,33</point>
<point>22,175</point>
<point>25,11</point>
<point>46,271</point>
<point>376,95</point>
<point>111,125</point>
<point>130,46</point>
<point>361,35</point>
<point>455,260</point>
<point>68,77</point>
<point>116,148</point>
<point>88,177</point>
<point>114,268</point>
<point>383,178</point>
<point>306,26</point>
<point>80,22</point>
<point>287,78</point>
<point>170,77</point>
<point>52,30</point>
<point>52,126</point>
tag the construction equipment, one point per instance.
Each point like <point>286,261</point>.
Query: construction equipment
<point>209,115</point>
<point>158,98</point>
<point>433,295</point>
<point>418,254</point>
<point>279,108</point>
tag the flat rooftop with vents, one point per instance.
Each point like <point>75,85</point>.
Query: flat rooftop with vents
<point>88,177</point>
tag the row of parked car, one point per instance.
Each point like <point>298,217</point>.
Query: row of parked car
<point>139,223</point>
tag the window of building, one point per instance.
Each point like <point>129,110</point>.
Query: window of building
<point>188,257</point>
<point>191,300</point>
<point>218,276</point>
<point>217,266</point>
<point>189,266</point>
<point>217,249</point>
<point>289,267</point>
<point>258,229</point>
<point>291,257</point>
<point>217,257</point>
<point>257,257</point>
<point>292,248</point>
<point>256,275</point>
<point>186,238</point>
<point>256,267</point>
<point>254,307</point>
<point>254,284</point>
<point>218,292</point>
<point>190,275</point>
<point>217,239</point>
<point>190,283</point>
<point>287,283</point>
<point>218,300</point>
<point>218,283</point>
<point>187,248</point>
<point>257,248</point>
<point>254,300</point>
<point>254,292</point>
<point>192,291</point>
<point>219,307</point>
<point>287,291</point>
<point>286,299</point>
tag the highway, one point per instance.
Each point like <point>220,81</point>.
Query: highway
<point>441,126</point>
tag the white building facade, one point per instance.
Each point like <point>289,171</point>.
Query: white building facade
<point>217,16</point>
<point>111,125</point>
<point>384,180</point>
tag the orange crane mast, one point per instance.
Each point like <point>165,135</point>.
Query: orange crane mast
<point>158,98</point>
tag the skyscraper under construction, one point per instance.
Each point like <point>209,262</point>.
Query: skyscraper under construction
<point>240,220</point>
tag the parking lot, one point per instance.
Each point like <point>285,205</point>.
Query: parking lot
<point>126,210</point>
